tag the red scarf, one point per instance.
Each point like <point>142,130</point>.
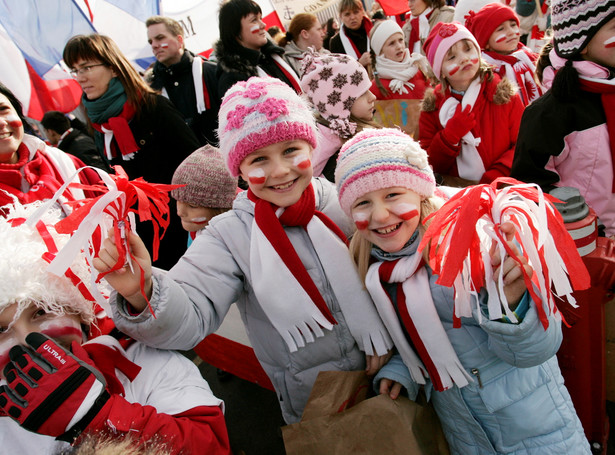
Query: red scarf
<point>529,89</point>
<point>39,173</point>
<point>298,214</point>
<point>291,79</point>
<point>414,31</point>
<point>106,359</point>
<point>607,95</point>
<point>121,131</point>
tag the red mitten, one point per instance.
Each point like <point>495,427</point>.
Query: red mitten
<point>51,391</point>
<point>459,125</point>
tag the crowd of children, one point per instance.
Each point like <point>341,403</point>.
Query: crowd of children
<point>324,253</point>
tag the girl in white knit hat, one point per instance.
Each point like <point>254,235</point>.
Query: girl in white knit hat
<point>487,364</point>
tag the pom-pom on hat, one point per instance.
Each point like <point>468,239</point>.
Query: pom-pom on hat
<point>24,278</point>
<point>441,39</point>
<point>381,32</point>
<point>260,112</point>
<point>381,158</point>
<point>208,182</point>
<point>333,82</point>
<point>483,23</point>
<point>575,22</point>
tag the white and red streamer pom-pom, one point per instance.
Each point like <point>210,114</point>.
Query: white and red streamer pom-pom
<point>115,208</point>
<point>461,234</point>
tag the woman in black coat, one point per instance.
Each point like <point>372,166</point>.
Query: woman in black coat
<point>135,128</point>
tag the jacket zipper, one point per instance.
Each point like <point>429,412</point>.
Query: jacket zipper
<point>476,373</point>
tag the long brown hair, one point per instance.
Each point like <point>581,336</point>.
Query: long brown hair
<point>102,48</point>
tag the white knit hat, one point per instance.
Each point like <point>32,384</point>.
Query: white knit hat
<point>24,278</point>
<point>381,32</point>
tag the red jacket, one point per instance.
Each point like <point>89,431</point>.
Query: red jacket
<point>420,85</point>
<point>498,111</point>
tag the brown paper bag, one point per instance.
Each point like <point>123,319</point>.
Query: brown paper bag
<point>340,419</point>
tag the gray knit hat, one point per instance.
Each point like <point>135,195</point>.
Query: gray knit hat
<point>575,22</point>
<point>208,182</point>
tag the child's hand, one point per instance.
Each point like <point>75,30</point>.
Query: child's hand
<point>125,282</point>
<point>365,59</point>
<point>49,388</point>
<point>459,125</point>
<point>374,363</point>
<point>514,285</point>
<point>390,388</point>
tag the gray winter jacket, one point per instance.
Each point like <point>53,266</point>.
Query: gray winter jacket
<point>192,299</point>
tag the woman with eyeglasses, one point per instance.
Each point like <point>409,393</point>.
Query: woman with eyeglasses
<point>134,127</point>
<point>30,170</point>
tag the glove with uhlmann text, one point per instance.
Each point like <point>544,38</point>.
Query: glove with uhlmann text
<point>50,390</point>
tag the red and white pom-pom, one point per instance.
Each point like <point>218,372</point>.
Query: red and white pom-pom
<point>115,209</point>
<point>463,231</point>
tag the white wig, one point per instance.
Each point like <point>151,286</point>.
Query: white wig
<point>24,278</point>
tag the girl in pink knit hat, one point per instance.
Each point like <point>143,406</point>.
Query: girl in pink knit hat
<point>469,122</point>
<point>486,362</point>
<point>280,254</point>
<point>496,28</point>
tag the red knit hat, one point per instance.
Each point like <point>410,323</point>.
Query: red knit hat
<point>489,17</point>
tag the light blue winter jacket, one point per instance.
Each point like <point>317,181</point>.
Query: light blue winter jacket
<point>520,405</point>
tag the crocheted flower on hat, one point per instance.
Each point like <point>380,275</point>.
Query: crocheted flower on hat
<point>447,30</point>
<point>273,108</point>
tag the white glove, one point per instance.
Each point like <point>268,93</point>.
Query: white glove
<point>399,87</point>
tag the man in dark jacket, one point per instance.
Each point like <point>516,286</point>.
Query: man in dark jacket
<point>188,80</point>
<point>71,140</point>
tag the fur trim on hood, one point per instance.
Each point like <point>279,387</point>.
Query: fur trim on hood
<point>246,60</point>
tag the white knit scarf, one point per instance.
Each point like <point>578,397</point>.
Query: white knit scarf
<point>290,309</point>
<point>400,71</point>
<point>469,162</point>
<point>445,369</point>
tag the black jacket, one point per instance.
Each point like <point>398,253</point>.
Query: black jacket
<point>83,147</point>
<point>178,82</point>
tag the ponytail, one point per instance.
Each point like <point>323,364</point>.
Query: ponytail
<point>566,82</point>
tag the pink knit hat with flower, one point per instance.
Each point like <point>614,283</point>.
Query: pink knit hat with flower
<point>333,82</point>
<point>381,158</point>
<point>441,39</point>
<point>260,112</point>
<point>483,23</point>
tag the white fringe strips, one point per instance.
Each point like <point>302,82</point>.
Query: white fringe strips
<point>466,229</point>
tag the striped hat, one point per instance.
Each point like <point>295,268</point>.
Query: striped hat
<point>575,22</point>
<point>260,112</point>
<point>381,158</point>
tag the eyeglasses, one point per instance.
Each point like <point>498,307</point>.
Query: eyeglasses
<point>84,69</point>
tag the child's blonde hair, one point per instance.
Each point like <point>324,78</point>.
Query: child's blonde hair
<point>361,248</point>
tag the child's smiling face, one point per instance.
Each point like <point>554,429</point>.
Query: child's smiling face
<point>387,217</point>
<point>460,64</point>
<point>63,329</point>
<point>601,48</point>
<point>505,38</point>
<point>279,173</point>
